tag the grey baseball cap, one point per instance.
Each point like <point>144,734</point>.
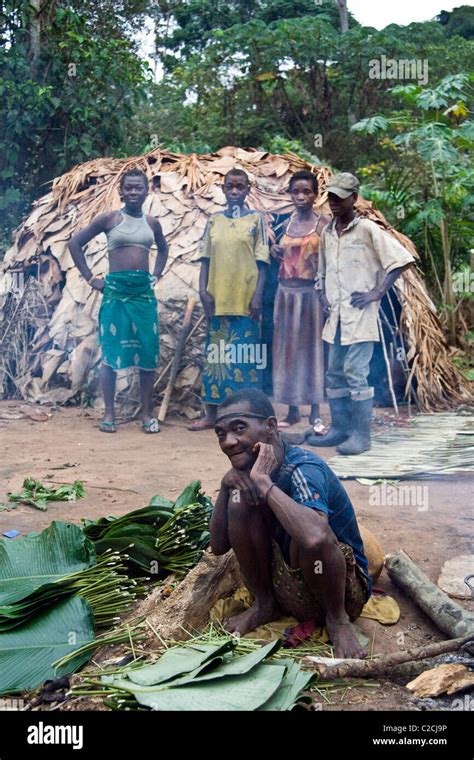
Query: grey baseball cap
<point>343,185</point>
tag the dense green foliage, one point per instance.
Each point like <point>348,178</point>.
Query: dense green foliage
<point>459,22</point>
<point>68,99</point>
<point>274,74</point>
<point>426,183</point>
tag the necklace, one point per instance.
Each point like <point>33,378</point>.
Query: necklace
<point>313,229</point>
<point>130,213</point>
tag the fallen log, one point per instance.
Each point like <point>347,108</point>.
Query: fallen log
<point>407,670</point>
<point>329,668</point>
<point>449,616</point>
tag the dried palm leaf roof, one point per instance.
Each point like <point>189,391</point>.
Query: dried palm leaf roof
<point>186,189</point>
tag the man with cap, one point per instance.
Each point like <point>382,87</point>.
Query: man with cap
<point>358,263</point>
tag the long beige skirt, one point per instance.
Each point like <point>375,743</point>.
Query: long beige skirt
<point>298,349</point>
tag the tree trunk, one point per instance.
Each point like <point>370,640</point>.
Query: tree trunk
<point>344,20</point>
<point>343,16</point>
<point>34,29</point>
<point>187,609</point>
<point>448,281</point>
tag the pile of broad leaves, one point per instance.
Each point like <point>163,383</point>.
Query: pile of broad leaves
<point>162,538</point>
<point>57,587</point>
<point>205,676</point>
<point>54,592</point>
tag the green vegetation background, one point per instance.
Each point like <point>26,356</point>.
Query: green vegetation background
<point>273,74</point>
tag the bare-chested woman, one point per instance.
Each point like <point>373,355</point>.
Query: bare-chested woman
<point>128,317</point>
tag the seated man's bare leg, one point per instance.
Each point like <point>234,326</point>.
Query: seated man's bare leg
<point>250,534</point>
<point>324,572</point>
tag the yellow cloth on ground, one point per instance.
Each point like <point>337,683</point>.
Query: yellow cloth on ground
<point>242,600</point>
<point>233,247</point>
<point>384,609</point>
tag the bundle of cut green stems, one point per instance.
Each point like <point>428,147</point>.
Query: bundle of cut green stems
<point>108,589</point>
<point>163,537</point>
<point>54,595</point>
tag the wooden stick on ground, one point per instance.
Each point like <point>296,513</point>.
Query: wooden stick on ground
<point>450,617</point>
<point>372,668</point>
<point>177,358</point>
<point>102,488</point>
<point>188,336</point>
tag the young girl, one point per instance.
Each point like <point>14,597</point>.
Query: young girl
<point>234,257</point>
<point>128,317</point>
<point>298,355</point>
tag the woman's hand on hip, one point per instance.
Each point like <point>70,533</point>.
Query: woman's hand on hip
<point>277,252</point>
<point>97,283</point>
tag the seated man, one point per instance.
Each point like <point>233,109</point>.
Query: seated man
<point>291,525</point>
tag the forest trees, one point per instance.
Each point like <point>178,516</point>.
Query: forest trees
<point>272,74</point>
<point>431,193</point>
<point>68,90</point>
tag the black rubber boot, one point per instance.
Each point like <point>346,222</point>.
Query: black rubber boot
<point>341,426</point>
<point>296,439</point>
<point>359,440</point>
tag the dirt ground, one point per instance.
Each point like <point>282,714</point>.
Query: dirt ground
<point>121,472</point>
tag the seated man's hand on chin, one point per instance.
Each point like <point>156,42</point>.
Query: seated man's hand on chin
<point>239,480</point>
<point>265,464</point>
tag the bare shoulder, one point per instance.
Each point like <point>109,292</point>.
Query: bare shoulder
<point>104,221</point>
<point>100,223</point>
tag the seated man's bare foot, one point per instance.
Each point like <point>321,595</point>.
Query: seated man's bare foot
<point>258,614</point>
<point>344,640</point>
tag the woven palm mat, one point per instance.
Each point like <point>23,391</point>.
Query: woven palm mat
<point>434,444</point>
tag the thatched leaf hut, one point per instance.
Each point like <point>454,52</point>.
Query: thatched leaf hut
<point>48,331</point>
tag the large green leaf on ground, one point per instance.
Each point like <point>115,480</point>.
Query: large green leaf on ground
<point>27,653</point>
<point>32,562</point>
<point>160,501</point>
<point>175,662</point>
<point>188,496</point>
<point>236,666</point>
<point>294,681</point>
<point>234,693</point>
